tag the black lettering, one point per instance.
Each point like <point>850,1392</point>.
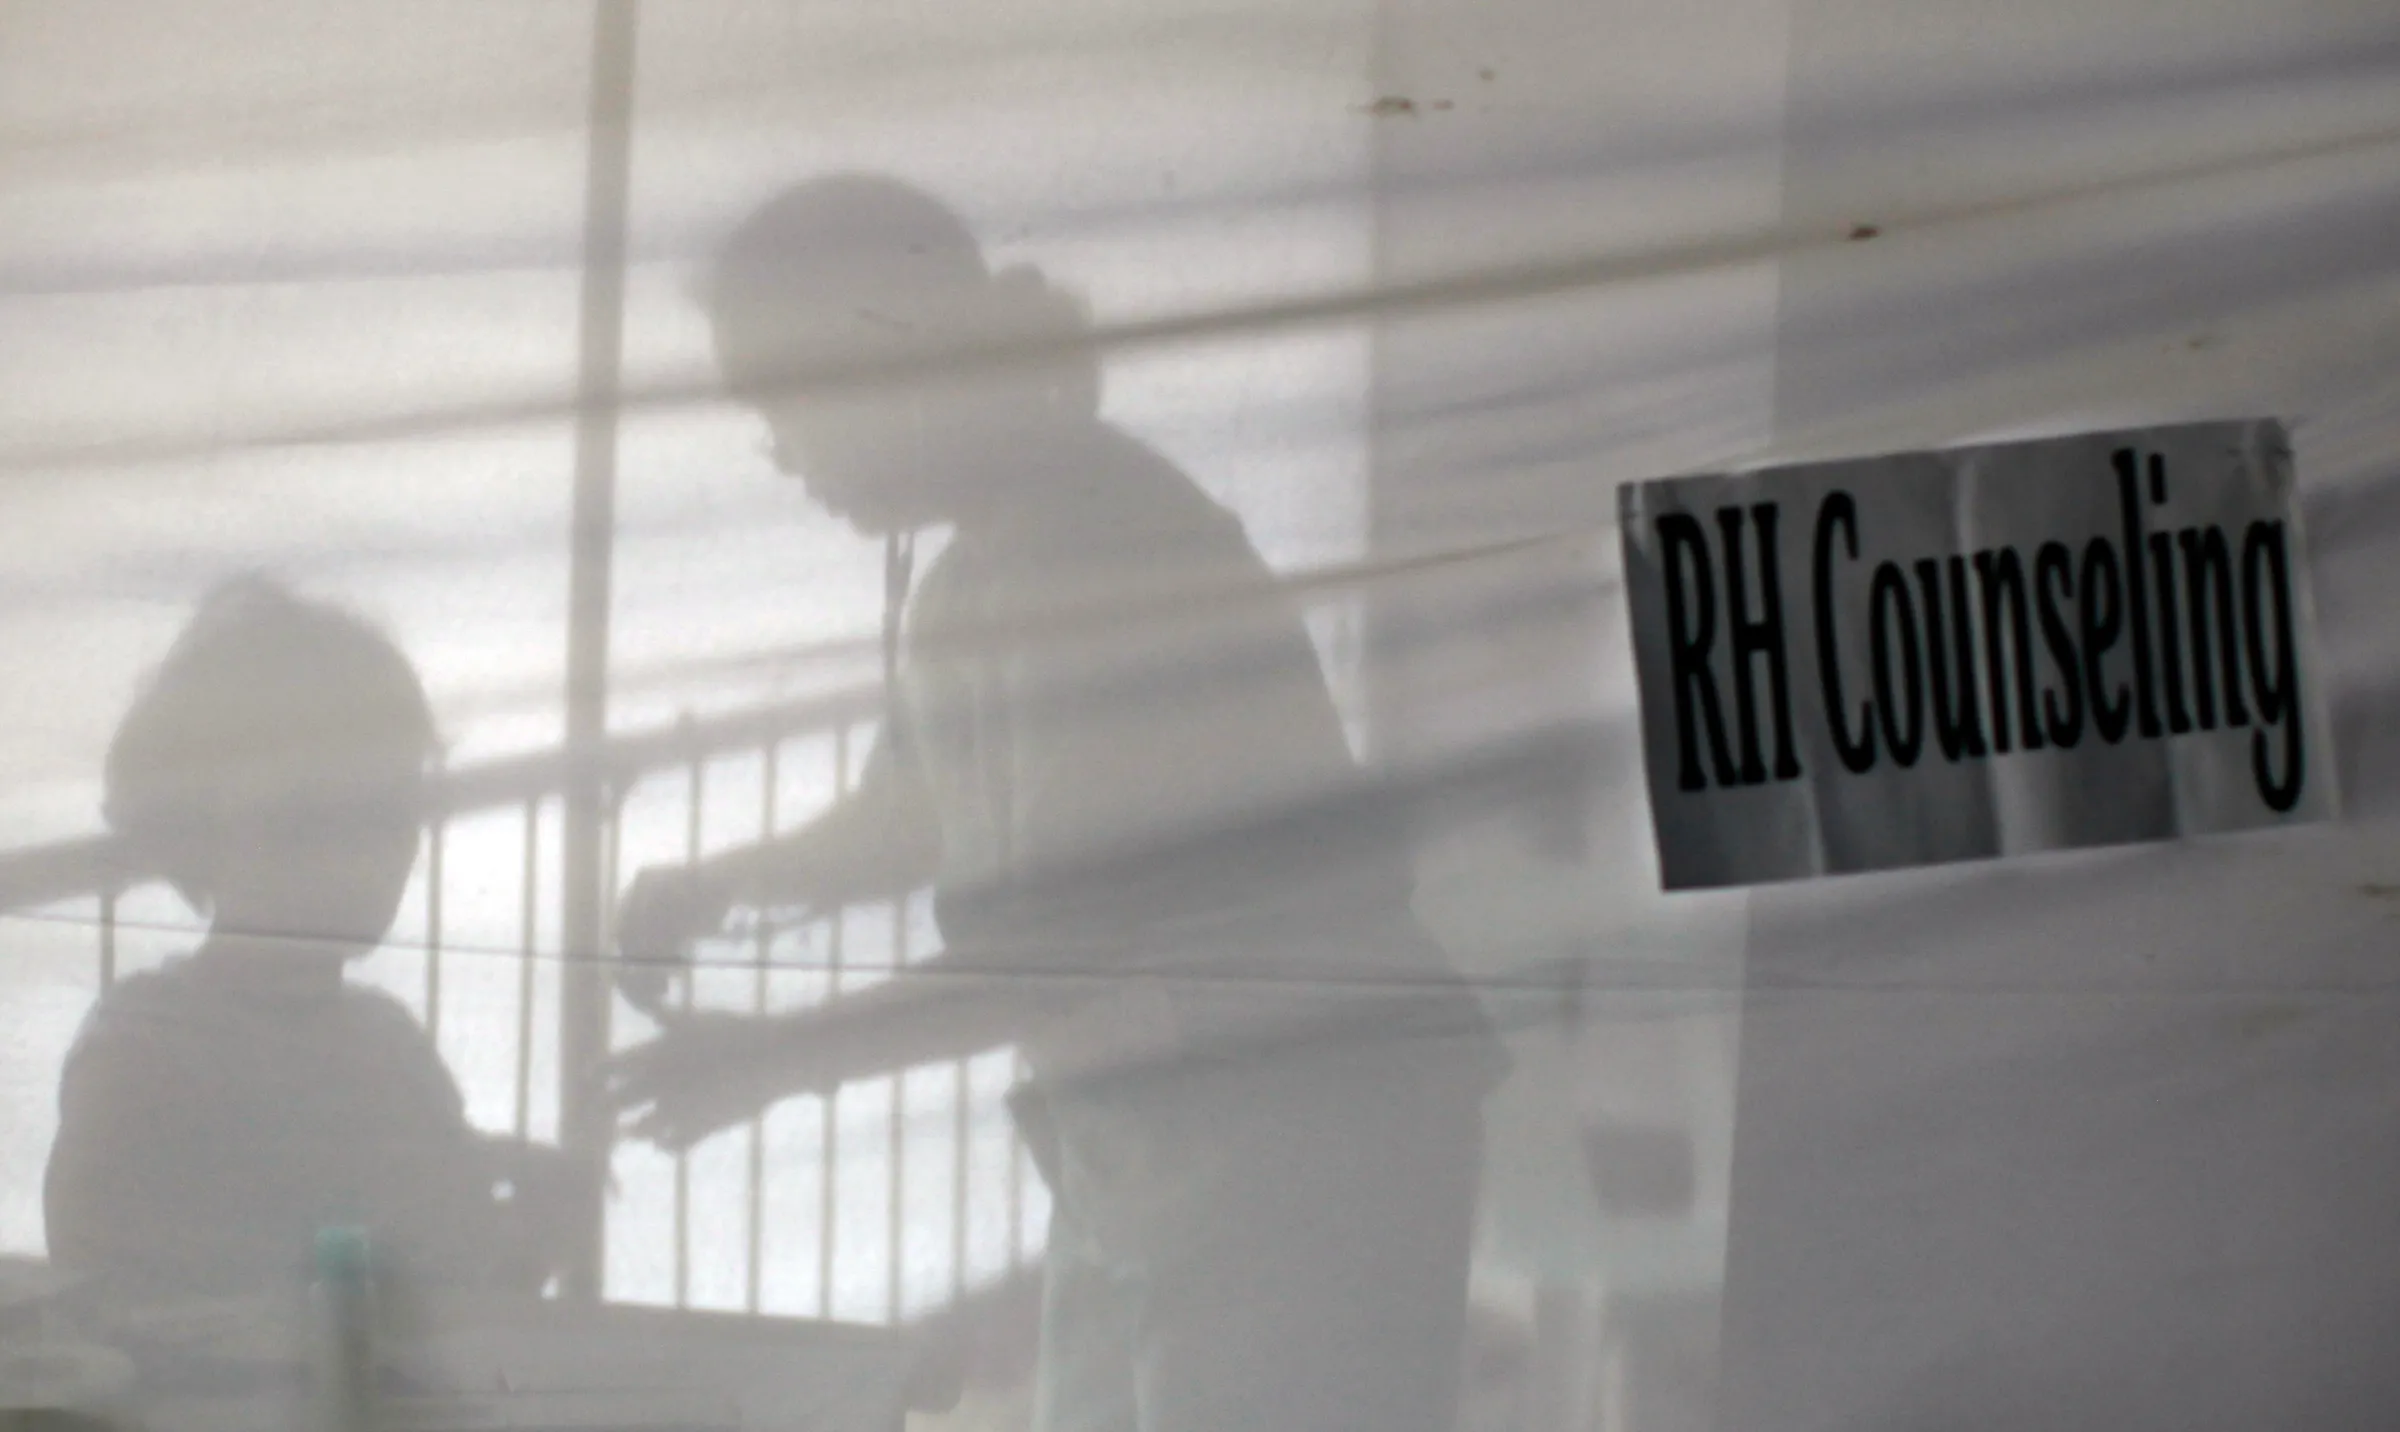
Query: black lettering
<point>2000,578</point>
<point>2063,718</point>
<point>1888,601</point>
<point>2278,700</point>
<point>2170,631</point>
<point>1957,713</point>
<point>1839,510</point>
<point>1681,537</point>
<point>2207,573</point>
<point>1757,637</point>
<point>2102,619</point>
<point>2137,599</point>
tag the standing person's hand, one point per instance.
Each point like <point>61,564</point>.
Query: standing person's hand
<point>663,912</point>
<point>705,1072</point>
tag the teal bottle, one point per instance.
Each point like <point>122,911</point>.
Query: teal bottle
<point>343,1299</point>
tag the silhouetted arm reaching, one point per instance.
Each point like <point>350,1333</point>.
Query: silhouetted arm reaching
<point>708,1071</point>
<point>879,840</point>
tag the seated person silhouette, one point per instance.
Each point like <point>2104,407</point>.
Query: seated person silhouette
<point>217,1112</point>
<point>1255,1084</point>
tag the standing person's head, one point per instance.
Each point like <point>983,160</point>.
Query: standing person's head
<point>891,363</point>
<point>273,768</point>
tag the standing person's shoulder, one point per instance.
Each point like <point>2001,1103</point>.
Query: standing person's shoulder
<point>945,592</point>
<point>1147,514</point>
<point>1138,482</point>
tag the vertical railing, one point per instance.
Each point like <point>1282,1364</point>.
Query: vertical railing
<point>829,1135</point>
<point>695,808</point>
<point>762,946</point>
<point>896,1156</point>
<point>528,953</point>
<point>436,842</point>
<point>108,935</point>
<point>962,1131</point>
<point>600,356</point>
<point>1016,1203</point>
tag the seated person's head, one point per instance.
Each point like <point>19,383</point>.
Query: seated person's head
<point>891,364</point>
<point>273,769</point>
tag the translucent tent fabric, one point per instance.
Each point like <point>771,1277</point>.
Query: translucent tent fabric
<point>407,311</point>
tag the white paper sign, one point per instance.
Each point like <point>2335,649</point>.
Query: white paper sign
<point>1954,655</point>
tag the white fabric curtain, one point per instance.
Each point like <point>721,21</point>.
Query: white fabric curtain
<point>332,294</point>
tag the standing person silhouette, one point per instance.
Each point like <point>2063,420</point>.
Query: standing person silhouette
<point>216,1113</point>
<point>1255,1086</point>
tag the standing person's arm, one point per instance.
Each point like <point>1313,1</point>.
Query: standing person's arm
<point>706,1071</point>
<point>1104,786</point>
<point>710,1071</point>
<point>879,839</point>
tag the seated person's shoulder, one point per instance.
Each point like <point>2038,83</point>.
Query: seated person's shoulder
<point>378,1014</point>
<point>175,1036</point>
<point>146,1021</point>
<point>384,1036</point>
